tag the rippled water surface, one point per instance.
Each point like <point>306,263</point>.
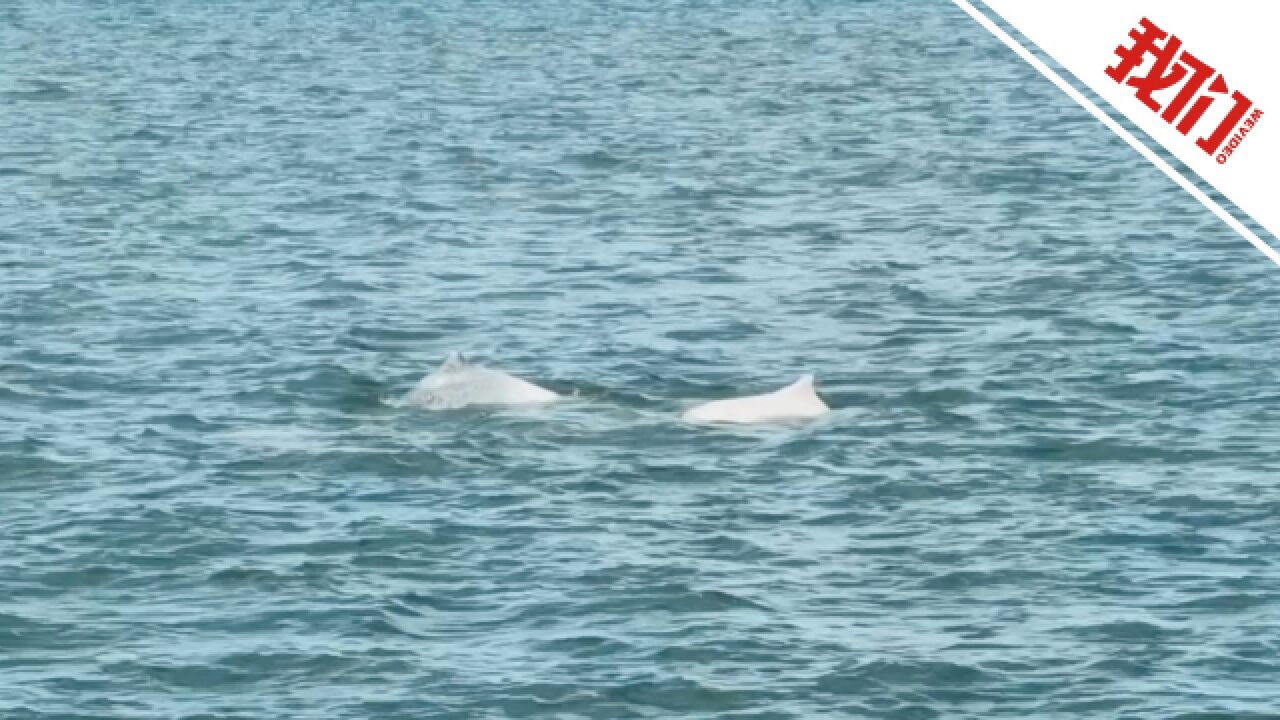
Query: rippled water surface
<point>233,235</point>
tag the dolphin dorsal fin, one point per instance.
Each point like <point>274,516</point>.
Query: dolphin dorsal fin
<point>454,361</point>
<point>803,385</point>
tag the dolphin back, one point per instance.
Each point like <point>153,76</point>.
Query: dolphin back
<point>797,401</point>
<point>458,383</point>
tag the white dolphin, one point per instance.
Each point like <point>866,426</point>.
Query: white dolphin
<point>797,401</point>
<point>458,383</point>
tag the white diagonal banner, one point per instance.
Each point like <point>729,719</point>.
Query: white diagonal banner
<point>1198,78</point>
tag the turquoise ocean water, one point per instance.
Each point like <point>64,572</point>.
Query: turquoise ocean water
<point>233,235</point>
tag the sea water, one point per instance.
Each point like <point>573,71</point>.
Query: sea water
<point>233,235</point>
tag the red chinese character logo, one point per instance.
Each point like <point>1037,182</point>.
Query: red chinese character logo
<point>1170,67</point>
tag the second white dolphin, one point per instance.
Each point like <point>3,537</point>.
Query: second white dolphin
<point>797,401</point>
<point>458,383</point>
